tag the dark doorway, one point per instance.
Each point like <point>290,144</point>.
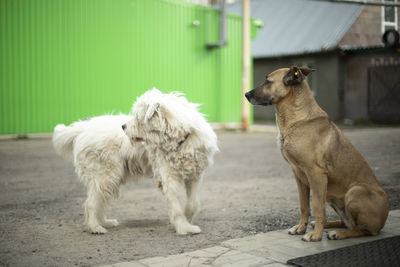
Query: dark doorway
<point>384,94</point>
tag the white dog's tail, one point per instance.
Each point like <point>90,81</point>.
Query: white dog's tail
<point>63,139</point>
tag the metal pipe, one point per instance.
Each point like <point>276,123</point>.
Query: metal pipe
<point>245,62</point>
<point>222,27</point>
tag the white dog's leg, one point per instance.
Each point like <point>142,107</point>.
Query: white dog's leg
<point>172,190</point>
<point>98,198</point>
<point>193,203</point>
<point>94,209</point>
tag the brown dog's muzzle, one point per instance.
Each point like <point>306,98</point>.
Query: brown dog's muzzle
<point>255,99</point>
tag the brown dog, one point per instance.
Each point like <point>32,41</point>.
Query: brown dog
<point>322,160</point>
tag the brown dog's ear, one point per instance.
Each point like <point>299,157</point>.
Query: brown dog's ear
<point>296,75</point>
<point>306,70</point>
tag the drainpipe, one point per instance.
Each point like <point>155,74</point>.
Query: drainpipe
<point>222,27</point>
<point>245,62</point>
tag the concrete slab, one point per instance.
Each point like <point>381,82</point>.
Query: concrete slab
<point>271,249</point>
<point>129,264</point>
<point>394,213</point>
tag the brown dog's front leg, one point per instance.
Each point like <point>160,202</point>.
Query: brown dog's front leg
<point>304,198</point>
<point>318,184</point>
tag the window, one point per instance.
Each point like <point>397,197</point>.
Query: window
<point>389,17</point>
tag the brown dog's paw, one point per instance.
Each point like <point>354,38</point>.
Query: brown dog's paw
<point>298,229</point>
<point>333,235</point>
<point>312,236</point>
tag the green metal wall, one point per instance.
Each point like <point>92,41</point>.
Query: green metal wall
<point>62,60</point>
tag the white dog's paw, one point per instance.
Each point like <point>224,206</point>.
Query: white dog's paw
<point>110,223</point>
<point>332,235</point>
<point>188,229</point>
<point>312,223</point>
<point>97,229</point>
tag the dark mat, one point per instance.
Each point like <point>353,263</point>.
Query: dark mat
<point>383,252</point>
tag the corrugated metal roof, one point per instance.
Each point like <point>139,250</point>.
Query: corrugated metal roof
<point>298,26</point>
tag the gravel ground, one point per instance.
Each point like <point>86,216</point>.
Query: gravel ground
<point>249,189</point>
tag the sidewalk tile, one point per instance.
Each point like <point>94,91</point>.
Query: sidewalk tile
<point>392,225</point>
<point>295,252</point>
<point>238,258</point>
<point>394,213</point>
<point>215,251</point>
<point>172,261</point>
<point>205,257</point>
<point>274,255</point>
<point>259,240</point>
<point>129,264</point>
<point>274,264</point>
<point>200,262</point>
<point>152,260</point>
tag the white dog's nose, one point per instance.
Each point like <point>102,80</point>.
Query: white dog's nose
<point>123,127</point>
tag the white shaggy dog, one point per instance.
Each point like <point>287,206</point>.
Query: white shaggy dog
<point>165,138</point>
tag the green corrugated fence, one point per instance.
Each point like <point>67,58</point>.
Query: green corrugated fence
<point>63,60</point>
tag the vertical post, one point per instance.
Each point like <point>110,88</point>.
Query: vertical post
<point>245,61</point>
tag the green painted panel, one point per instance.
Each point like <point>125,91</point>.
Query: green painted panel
<point>63,60</point>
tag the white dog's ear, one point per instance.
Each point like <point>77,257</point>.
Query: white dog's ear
<point>151,111</point>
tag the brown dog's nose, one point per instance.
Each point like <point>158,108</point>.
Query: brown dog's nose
<point>248,95</point>
<point>124,127</point>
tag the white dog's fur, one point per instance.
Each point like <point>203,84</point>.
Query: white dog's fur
<point>165,138</point>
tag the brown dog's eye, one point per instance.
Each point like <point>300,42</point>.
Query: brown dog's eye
<point>267,82</point>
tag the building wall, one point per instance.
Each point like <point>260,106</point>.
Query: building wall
<point>356,81</point>
<point>70,59</point>
<point>327,82</point>
<point>367,29</point>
